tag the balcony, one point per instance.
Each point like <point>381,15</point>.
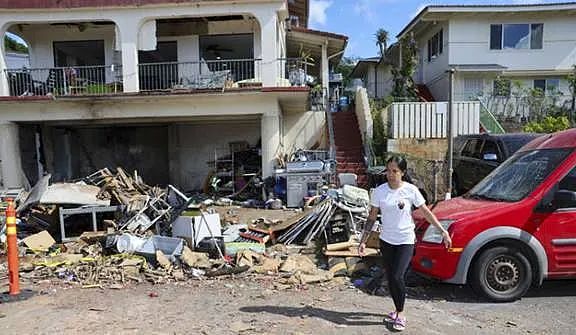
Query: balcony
<point>164,77</point>
<point>65,81</point>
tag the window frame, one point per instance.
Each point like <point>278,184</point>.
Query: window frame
<point>547,87</point>
<point>435,45</point>
<point>532,44</point>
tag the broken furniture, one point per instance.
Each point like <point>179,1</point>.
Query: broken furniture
<point>93,210</point>
<point>195,228</point>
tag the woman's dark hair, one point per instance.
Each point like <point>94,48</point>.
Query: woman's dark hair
<point>402,165</point>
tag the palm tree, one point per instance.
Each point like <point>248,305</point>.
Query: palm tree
<point>381,40</point>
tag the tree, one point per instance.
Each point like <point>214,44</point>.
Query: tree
<point>345,67</point>
<point>382,40</point>
<point>404,87</point>
<point>11,44</point>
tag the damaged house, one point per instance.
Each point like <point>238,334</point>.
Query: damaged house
<point>168,88</point>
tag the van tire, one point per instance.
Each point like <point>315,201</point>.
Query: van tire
<point>501,274</point>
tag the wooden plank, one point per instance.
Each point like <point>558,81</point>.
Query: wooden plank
<point>352,252</point>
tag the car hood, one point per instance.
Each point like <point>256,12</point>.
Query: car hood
<point>458,208</point>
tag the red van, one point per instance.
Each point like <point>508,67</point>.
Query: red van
<point>514,229</point>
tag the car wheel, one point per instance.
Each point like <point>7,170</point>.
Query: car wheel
<point>501,274</point>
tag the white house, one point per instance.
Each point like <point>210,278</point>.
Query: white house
<point>17,60</point>
<point>375,75</point>
<point>157,85</point>
<point>532,45</point>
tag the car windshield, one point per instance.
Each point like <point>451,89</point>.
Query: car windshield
<point>518,176</point>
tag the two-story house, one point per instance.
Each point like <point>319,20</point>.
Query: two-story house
<point>158,86</point>
<point>530,46</point>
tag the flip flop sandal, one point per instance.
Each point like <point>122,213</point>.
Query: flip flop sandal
<point>399,324</point>
<point>390,317</point>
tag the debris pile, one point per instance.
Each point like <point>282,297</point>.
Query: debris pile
<point>111,230</point>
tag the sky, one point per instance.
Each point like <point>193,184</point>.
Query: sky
<point>360,19</point>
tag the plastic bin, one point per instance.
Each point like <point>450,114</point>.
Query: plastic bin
<point>170,246</point>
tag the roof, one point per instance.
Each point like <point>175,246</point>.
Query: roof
<point>362,65</point>
<point>427,12</point>
<point>34,4</point>
<point>562,139</point>
<point>298,38</point>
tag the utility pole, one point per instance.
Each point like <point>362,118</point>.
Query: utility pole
<point>450,131</point>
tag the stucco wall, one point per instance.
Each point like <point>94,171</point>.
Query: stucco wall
<point>470,42</point>
<point>195,145</point>
<point>302,131</point>
<point>431,71</point>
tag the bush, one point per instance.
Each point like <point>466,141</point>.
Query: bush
<point>549,124</point>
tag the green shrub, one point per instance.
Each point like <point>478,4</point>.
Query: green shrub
<point>549,124</point>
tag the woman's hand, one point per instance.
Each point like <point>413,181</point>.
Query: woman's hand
<point>361,249</point>
<point>446,239</point>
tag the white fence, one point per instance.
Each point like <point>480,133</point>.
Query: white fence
<point>430,119</point>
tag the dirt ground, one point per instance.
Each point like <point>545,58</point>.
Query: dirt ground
<point>252,304</point>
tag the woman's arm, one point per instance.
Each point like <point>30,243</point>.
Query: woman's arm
<point>431,218</point>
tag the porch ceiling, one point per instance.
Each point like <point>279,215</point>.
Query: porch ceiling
<point>298,38</point>
<point>292,100</point>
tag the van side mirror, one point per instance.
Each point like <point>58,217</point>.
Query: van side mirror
<point>565,199</point>
<point>490,157</point>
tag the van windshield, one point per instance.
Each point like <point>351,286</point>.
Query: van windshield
<point>518,176</point>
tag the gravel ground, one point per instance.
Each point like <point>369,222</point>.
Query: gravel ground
<point>257,305</point>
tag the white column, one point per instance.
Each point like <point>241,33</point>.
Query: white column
<point>269,46</point>
<point>129,45</point>
<point>10,156</point>
<point>325,68</point>
<point>270,133</point>
<point>4,88</point>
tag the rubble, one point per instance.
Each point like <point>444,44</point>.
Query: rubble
<point>112,230</point>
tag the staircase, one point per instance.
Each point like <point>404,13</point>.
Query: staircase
<point>349,147</point>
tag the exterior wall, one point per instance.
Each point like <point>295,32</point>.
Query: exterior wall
<point>384,78</point>
<point>41,38</point>
<point>152,109</point>
<point>195,145</point>
<point>470,43</point>
<point>302,131</point>
<point>433,73</point>
<point>17,61</point>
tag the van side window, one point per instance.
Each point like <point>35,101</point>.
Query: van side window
<point>568,183</point>
<point>491,148</point>
<point>472,148</point>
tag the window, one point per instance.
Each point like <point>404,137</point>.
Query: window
<point>472,148</point>
<point>516,36</point>
<point>435,45</point>
<point>84,57</point>
<point>490,151</point>
<point>547,85</point>
<point>473,86</point>
<point>158,69</point>
<point>567,185</point>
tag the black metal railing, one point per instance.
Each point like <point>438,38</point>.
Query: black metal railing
<point>65,81</point>
<point>200,75</point>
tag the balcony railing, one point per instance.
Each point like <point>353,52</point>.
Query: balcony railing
<point>212,74</point>
<point>65,81</point>
<point>293,72</point>
<point>169,76</point>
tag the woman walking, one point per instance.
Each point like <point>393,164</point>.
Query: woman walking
<point>394,200</point>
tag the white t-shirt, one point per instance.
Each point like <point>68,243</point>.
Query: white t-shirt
<point>396,223</point>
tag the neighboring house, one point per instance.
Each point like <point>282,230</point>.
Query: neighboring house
<point>16,60</point>
<point>158,86</point>
<point>533,46</point>
<point>375,75</point>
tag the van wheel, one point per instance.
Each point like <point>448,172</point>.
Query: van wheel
<point>501,274</point>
